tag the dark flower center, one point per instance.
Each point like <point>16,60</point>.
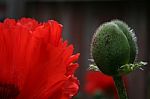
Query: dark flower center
<point>8,91</point>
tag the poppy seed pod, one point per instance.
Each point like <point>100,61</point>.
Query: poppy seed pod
<point>113,45</point>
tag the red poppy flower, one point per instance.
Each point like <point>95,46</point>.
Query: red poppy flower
<point>35,62</point>
<point>97,81</point>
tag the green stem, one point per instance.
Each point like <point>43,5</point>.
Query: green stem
<point>120,87</point>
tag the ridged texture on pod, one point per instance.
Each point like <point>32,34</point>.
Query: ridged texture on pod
<point>131,39</point>
<point>113,45</point>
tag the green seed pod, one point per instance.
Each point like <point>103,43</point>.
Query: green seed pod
<point>131,39</point>
<point>113,46</point>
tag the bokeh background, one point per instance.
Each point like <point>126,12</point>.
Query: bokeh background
<point>81,18</point>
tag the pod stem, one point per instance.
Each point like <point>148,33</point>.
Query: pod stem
<point>120,87</point>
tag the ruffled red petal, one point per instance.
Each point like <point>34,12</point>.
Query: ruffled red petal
<point>35,59</point>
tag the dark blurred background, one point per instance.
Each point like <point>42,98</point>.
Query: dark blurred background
<point>81,18</point>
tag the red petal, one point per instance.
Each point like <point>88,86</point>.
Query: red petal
<point>34,58</point>
<point>71,69</point>
<point>28,23</point>
<point>73,58</point>
<point>71,87</point>
<point>56,30</point>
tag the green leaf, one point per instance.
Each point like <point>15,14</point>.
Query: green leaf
<point>93,67</point>
<point>127,68</point>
